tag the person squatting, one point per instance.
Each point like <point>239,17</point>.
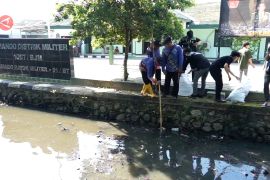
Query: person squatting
<point>149,67</point>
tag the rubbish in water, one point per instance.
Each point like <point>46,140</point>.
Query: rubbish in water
<point>160,155</point>
<point>265,172</point>
<point>221,138</point>
<point>175,129</point>
<point>253,171</point>
<point>64,129</point>
<point>168,154</point>
<point>221,156</point>
<point>184,135</point>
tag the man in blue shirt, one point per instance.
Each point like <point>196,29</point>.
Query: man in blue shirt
<point>153,52</point>
<point>172,62</point>
<point>147,68</point>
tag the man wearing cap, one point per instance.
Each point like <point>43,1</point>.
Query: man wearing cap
<point>172,61</point>
<point>245,60</point>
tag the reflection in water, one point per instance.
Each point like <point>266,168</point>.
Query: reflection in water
<point>37,145</point>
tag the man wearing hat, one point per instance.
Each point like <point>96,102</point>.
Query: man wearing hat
<point>172,61</point>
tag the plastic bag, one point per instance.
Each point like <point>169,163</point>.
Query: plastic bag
<point>239,93</point>
<point>185,85</point>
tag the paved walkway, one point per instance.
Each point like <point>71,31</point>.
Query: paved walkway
<point>99,69</point>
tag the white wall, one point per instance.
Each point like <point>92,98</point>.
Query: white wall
<point>207,36</point>
<point>13,33</point>
<point>137,47</point>
<point>61,32</point>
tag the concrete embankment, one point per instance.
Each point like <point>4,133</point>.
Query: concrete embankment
<point>245,121</point>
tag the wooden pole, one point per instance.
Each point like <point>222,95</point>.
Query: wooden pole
<point>160,109</point>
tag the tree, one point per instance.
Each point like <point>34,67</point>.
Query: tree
<point>121,21</point>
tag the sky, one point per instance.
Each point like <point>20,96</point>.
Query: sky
<point>36,9</point>
<point>28,9</point>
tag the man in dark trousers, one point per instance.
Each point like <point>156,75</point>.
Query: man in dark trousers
<point>200,67</point>
<point>216,71</point>
<point>153,52</point>
<point>171,61</point>
<point>189,41</point>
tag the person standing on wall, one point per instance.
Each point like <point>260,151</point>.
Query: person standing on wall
<point>216,71</point>
<point>200,67</point>
<point>172,62</point>
<point>266,79</point>
<point>245,60</point>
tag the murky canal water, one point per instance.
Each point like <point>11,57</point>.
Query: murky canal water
<point>36,145</point>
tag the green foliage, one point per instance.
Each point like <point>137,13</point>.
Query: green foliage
<point>168,26</point>
<point>120,21</point>
<point>113,19</point>
<point>253,41</point>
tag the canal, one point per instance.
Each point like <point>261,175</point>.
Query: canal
<point>45,146</point>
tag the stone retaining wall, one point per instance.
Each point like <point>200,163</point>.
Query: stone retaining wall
<point>196,116</point>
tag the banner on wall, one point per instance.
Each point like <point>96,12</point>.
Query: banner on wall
<point>245,18</point>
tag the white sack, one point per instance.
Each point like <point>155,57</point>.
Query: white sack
<point>240,92</point>
<point>185,85</point>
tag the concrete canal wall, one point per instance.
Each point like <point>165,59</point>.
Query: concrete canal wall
<point>247,121</point>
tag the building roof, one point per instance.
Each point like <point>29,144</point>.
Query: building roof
<point>40,26</point>
<point>183,16</point>
<point>37,26</point>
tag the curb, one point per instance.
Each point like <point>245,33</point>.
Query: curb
<point>94,56</point>
<point>136,87</point>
